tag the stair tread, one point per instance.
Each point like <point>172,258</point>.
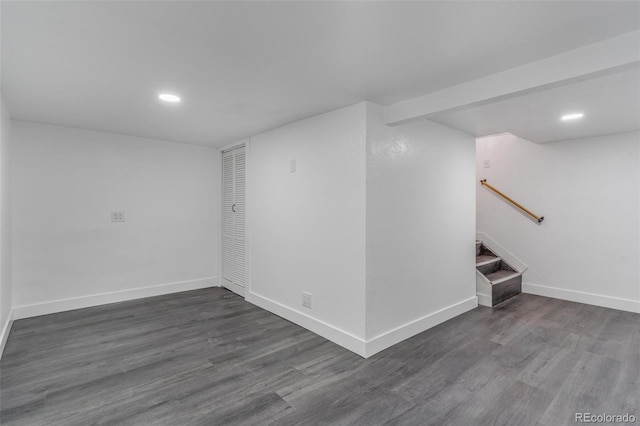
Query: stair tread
<point>501,274</point>
<point>484,258</point>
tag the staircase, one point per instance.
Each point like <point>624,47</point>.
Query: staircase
<point>496,280</point>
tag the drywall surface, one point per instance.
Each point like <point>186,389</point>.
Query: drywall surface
<point>66,182</point>
<point>586,249</point>
<point>306,229</point>
<point>420,224</point>
<point>5,222</point>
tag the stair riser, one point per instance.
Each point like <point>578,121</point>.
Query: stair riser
<point>494,267</point>
<point>490,267</point>
<point>506,290</point>
<point>485,250</point>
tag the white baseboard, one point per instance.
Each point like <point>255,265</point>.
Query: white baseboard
<point>6,329</point>
<point>356,344</point>
<point>484,300</point>
<point>329,332</point>
<point>239,290</point>
<point>582,297</point>
<point>397,335</point>
<point>54,306</point>
<point>483,289</point>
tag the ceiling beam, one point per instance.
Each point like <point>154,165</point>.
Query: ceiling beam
<point>605,57</point>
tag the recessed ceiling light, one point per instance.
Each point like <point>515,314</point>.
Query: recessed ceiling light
<point>168,97</point>
<point>574,116</point>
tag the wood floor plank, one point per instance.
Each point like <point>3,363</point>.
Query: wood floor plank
<point>207,357</point>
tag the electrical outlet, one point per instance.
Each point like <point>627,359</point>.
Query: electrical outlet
<point>117,216</point>
<point>306,300</point>
<point>292,166</point>
<point>487,164</point>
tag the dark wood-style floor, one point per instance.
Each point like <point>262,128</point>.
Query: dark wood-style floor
<point>207,357</point>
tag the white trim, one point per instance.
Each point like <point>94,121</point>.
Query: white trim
<point>484,300</point>
<point>5,332</point>
<point>54,306</point>
<point>231,286</point>
<point>483,279</point>
<point>354,343</point>
<point>410,329</point>
<point>483,290</point>
<point>247,215</point>
<point>328,331</point>
<point>232,146</point>
<point>499,250</point>
<point>582,297</point>
<point>220,213</point>
<point>219,242</point>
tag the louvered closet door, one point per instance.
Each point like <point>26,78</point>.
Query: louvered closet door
<point>233,220</point>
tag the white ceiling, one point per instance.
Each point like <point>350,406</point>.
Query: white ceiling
<point>610,104</point>
<point>245,67</point>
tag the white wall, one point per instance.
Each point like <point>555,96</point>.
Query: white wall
<point>5,226</point>
<point>588,191</point>
<point>307,229</point>
<point>377,223</point>
<point>420,226</point>
<point>66,251</point>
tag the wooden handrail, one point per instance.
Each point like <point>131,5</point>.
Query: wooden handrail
<point>512,201</point>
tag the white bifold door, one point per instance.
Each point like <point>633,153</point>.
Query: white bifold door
<point>233,220</point>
